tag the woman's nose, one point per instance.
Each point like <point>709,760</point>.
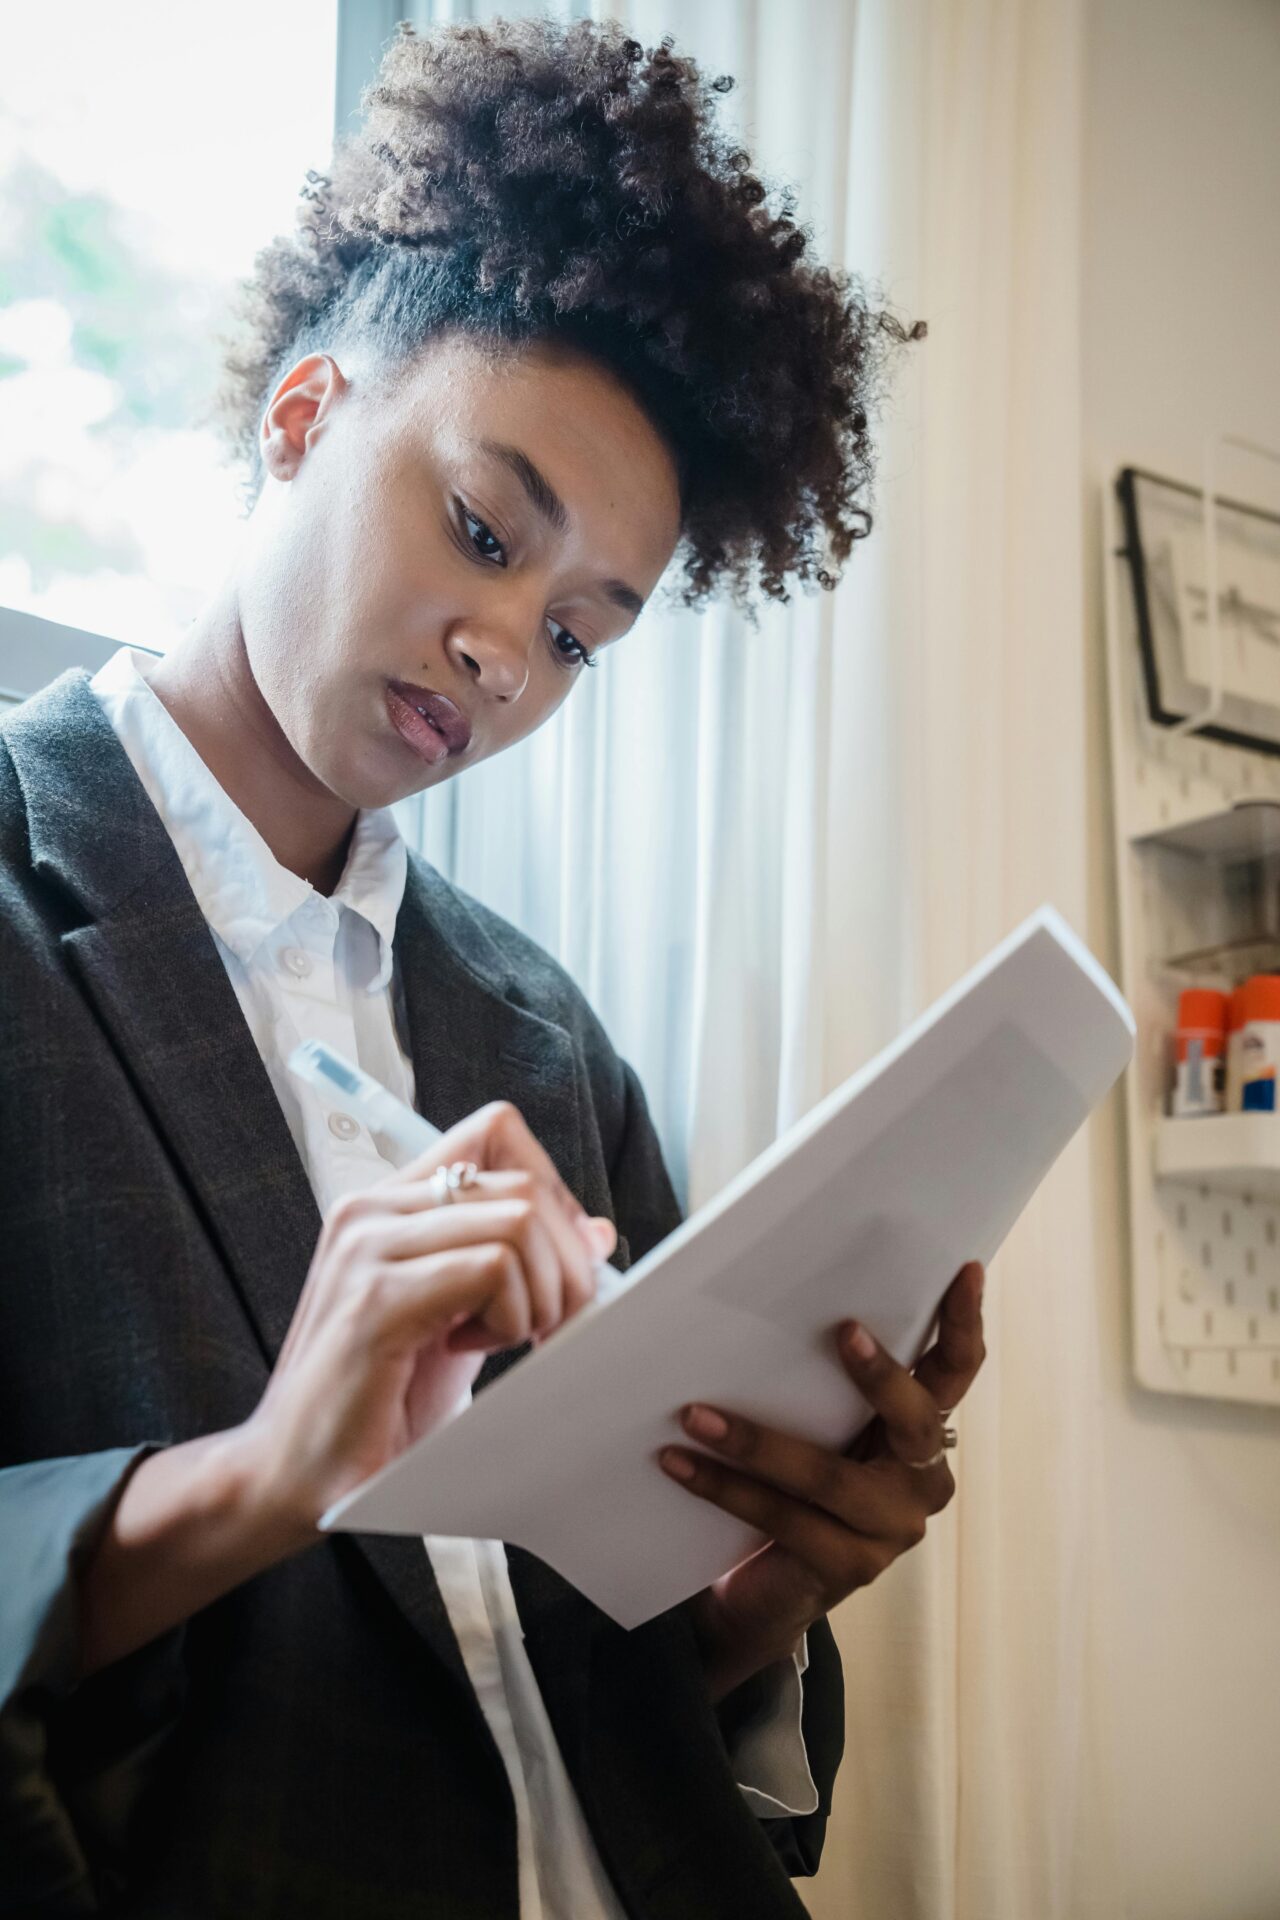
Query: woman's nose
<point>495,659</point>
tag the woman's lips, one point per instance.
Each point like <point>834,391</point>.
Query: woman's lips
<point>431,724</point>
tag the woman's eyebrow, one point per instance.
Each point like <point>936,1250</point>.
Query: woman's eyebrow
<point>548,505</point>
<point>543,498</point>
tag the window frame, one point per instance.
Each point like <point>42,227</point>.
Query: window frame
<point>34,651</point>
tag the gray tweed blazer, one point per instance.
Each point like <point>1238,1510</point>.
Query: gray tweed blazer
<point>309,1744</point>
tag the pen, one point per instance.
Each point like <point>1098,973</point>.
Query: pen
<point>366,1100</point>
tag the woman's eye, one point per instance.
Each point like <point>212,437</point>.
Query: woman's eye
<point>491,552</point>
<point>577,654</point>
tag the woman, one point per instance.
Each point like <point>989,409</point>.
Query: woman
<point>535,335</point>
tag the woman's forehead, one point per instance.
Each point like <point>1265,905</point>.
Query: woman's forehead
<point>539,387</point>
<point>570,419</point>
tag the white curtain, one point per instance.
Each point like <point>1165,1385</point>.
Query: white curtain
<point>977,1782</point>
<point>761,853</point>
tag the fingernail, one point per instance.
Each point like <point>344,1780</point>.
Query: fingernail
<point>705,1423</point>
<point>861,1342</point>
<point>675,1463</point>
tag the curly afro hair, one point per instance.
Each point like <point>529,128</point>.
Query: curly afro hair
<point>533,178</point>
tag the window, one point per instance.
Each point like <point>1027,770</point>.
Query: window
<point>146,154</point>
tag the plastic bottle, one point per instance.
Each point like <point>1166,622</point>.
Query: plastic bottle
<point>1232,1100</point>
<point>1260,1043</point>
<point>1198,1050</point>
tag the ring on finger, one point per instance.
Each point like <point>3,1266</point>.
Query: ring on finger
<point>448,1182</point>
<point>949,1439</point>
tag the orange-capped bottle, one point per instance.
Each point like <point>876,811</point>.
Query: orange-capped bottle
<point>1199,1052</point>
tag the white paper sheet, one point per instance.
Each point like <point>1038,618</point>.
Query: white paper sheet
<point>869,1207</point>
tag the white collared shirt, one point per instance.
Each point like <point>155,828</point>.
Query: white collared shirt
<point>304,966</point>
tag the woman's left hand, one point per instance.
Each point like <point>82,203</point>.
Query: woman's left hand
<point>834,1521</point>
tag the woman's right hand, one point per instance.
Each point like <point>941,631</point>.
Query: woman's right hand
<point>401,1301</point>
<point>403,1298</point>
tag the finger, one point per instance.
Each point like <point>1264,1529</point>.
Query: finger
<point>839,1558</point>
<point>419,1193</point>
<point>485,1283</point>
<point>323,1277</point>
<point>606,1235</point>
<point>496,1136</point>
<point>577,1261</point>
<point>576,1282</point>
<point>933,1487</point>
<point>951,1365</point>
<point>825,1479</point>
<point>509,1142</point>
<point>543,1275</point>
<point>521,1221</point>
<point>911,1417</point>
<point>384,1249</point>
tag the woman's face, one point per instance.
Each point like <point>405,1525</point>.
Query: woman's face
<point>427,565</point>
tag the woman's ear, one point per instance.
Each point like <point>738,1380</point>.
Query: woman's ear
<point>298,412</point>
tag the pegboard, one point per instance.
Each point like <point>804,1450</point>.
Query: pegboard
<point>1204,1252</point>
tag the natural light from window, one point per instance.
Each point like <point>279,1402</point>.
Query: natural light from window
<point>146,153</point>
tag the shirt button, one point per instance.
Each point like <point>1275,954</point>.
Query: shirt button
<point>297,961</point>
<point>343,1127</point>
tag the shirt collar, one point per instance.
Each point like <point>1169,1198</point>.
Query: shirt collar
<point>243,891</point>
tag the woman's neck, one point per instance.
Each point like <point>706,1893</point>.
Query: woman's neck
<point>207,685</point>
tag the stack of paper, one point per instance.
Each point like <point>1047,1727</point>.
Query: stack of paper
<point>868,1207</point>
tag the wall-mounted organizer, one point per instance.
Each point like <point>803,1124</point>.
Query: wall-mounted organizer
<point>1192,603</point>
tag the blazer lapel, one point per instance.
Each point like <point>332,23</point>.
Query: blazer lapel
<point>470,1039</point>
<point>148,963</point>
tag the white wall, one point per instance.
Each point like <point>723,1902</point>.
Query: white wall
<point>1181,332</point>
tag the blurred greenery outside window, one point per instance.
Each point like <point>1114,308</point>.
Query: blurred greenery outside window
<point>146,154</point>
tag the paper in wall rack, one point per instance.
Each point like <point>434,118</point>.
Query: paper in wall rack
<point>1167,539</point>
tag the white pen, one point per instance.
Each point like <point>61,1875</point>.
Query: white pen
<point>353,1091</point>
<point>365,1099</point>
